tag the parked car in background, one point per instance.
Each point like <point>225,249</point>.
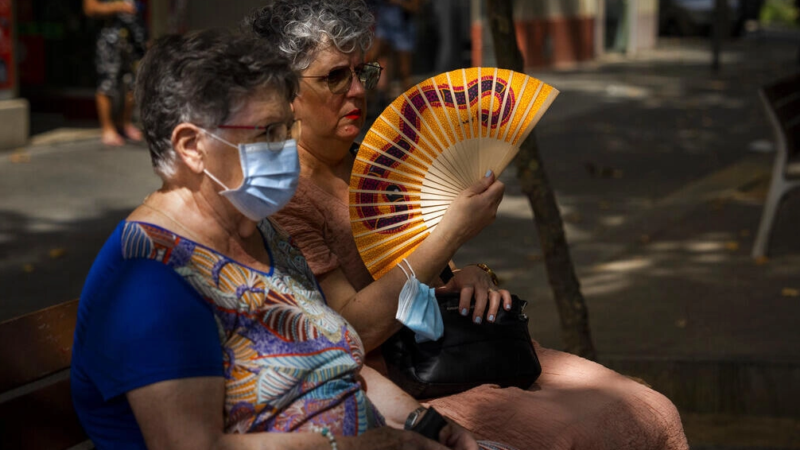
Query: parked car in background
<point>697,17</point>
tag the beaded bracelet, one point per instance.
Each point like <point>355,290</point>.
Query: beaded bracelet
<point>331,440</point>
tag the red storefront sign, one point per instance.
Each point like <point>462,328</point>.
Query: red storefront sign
<point>6,44</point>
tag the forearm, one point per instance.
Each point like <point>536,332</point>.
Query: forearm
<point>187,414</point>
<point>268,441</point>
<point>372,310</point>
<point>391,401</point>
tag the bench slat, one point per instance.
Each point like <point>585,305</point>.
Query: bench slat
<point>36,345</point>
<point>43,419</point>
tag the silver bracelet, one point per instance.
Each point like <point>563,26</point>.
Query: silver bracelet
<point>331,440</point>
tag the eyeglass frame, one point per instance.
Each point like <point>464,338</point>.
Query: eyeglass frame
<point>276,145</point>
<point>357,71</point>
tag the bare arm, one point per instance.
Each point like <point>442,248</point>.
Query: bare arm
<point>93,8</point>
<point>391,401</point>
<point>372,310</point>
<point>396,405</point>
<point>188,414</point>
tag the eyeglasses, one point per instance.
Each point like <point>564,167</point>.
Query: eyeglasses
<point>275,134</point>
<point>340,79</point>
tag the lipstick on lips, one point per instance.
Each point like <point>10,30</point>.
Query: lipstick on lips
<point>354,114</point>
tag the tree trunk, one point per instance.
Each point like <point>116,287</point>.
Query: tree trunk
<point>533,179</point>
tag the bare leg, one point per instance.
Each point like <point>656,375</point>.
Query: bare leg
<point>130,130</point>
<point>109,131</point>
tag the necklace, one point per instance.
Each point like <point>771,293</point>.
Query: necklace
<point>170,218</point>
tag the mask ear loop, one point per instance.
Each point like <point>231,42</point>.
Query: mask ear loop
<point>411,269</point>
<point>404,301</point>
<point>216,180</point>
<point>205,171</point>
<point>224,141</point>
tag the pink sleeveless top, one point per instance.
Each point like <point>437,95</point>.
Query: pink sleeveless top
<point>319,223</point>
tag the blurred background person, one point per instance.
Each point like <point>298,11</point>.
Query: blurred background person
<point>395,33</point>
<point>120,45</point>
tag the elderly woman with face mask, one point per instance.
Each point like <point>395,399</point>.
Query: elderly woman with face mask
<point>200,325</point>
<point>575,403</point>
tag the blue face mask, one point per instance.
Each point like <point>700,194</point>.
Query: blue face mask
<point>269,178</point>
<point>418,309</point>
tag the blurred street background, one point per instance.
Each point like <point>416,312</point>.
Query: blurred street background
<point>660,161</point>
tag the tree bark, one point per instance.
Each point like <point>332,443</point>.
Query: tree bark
<point>535,184</point>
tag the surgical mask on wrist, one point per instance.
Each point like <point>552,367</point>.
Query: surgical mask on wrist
<point>418,309</point>
<point>269,178</point>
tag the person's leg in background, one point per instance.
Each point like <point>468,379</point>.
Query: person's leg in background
<point>448,24</point>
<point>130,130</point>
<point>127,83</point>
<point>108,62</point>
<point>109,134</point>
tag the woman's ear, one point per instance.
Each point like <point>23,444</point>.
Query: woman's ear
<point>188,145</point>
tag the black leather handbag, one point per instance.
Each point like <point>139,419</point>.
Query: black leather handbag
<point>467,355</point>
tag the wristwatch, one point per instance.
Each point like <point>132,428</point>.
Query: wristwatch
<point>430,425</point>
<point>412,418</point>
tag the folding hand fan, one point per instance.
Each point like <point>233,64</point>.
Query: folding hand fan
<point>431,143</point>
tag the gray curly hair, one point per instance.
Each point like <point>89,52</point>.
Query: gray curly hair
<point>203,78</point>
<point>300,28</point>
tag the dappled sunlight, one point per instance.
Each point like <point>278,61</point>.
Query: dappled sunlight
<point>603,285</point>
<point>665,246</point>
<point>576,234</point>
<point>516,207</point>
<point>625,265</point>
<point>704,246</point>
<point>714,258</point>
<point>612,221</point>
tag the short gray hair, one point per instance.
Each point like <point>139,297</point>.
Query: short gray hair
<point>299,28</point>
<point>202,78</point>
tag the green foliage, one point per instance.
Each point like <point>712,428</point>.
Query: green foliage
<point>779,12</point>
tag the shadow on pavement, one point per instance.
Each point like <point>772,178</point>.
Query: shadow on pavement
<point>54,263</point>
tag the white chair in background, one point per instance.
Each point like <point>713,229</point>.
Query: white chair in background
<point>782,102</point>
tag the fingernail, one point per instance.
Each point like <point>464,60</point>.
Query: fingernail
<point>464,312</point>
<point>507,307</point>
<point>491,317</point>
<point>488,173</point>
<point>478,319</point>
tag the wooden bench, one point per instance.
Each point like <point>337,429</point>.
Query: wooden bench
<point>35,403</point>
<point>782,102</point>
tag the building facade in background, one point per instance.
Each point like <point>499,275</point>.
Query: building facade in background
<point>55,42</point>
<point>554,33</point>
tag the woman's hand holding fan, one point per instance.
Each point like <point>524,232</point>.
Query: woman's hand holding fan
<point>430,146</point>
<point>472,210</point>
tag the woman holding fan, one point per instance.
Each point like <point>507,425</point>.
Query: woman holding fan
<point>575,403</point>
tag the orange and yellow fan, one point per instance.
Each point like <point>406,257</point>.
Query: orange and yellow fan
<point>431,143</point>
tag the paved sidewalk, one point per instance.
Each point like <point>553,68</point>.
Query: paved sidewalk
<point>678,205</point>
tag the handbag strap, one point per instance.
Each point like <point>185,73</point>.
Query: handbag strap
<point>447,274</point>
